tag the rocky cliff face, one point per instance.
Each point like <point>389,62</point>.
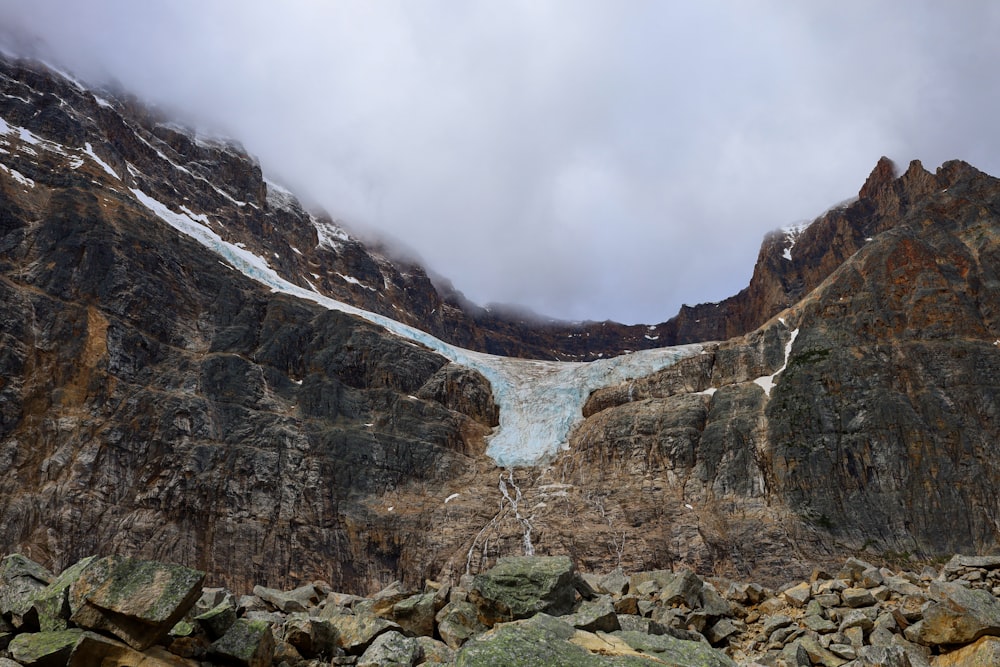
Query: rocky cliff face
<point>158,403</point>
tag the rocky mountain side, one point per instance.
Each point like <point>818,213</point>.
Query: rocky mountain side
<point>524,611</point>
<point>158,401</point>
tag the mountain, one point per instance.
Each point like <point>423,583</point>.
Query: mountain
<point>194,368</point>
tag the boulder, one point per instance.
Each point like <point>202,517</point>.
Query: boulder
<point>298,599</point>
<point>391,649</point>
<point>247,644</point>
<point>217,620</point>
<point>519,587</point>
<point>356,632</point>
<point>958,616</point>
<point>539,640</point>
<point>435,652</point>
<point>415,614</point>
<point>678,652</point>
<point>883,656</point>
<point>51,604</point>
<point>21,580</point>
<point>457,622</point>
<point>44,649</point>
<point>613,583</point>
<point>984,652</point>
<point>594,615</point>
<point>93,649</point>
<point>797,596</point>
<point>311,637</point>
<point>138,601</point>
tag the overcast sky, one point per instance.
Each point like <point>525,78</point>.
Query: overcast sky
<point>588,160</point>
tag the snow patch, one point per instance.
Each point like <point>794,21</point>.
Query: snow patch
<point>792,233</point>
<point>766,382</point>
<point>330,235</point>
<point>708,392</point>
<point>450,498</point>
<point>18,176</point>
<point>355,281</point>
<point>104,165</point>
<point>648,337</point>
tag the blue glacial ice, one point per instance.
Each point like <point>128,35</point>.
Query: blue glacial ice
<point>540,401</point>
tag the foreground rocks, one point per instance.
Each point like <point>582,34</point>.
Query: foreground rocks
<point>523,611</point>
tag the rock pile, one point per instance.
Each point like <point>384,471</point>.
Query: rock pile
<point>524,611</point>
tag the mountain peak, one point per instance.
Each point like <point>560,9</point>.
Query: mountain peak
<point>882,175</point>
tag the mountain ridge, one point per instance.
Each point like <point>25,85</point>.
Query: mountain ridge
<point>158,402</point>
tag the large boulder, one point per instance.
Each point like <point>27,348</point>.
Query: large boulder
<point>21,580</point>
<point>959,615</point>
<point>356,632</point>
<point>246,644</point>
<point>457,622</point>
<point>391,649</point>
<point>51,604</point>
<point>44,649</point>
<point>138,601</point>
<point>521,586</point>
<point>985,652</point>
<point>676,652</point>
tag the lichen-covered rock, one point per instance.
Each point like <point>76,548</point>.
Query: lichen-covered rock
<point>679,652</point>
<point>356,632</point>
<point>311,637</point>
<point>520,586</point>
<point>415,614</point>
<point>457,621</point>
<point>391,649</point>
<point>217,620</point>
<point>138,601</point>
<point>595,615</point>
<point>247,644</point>
<point>44,649</point>
<point>298,599</point>
<point>540,640</point>
<point>93,649</point>
<point>21,580</point>
<point>51,605</point>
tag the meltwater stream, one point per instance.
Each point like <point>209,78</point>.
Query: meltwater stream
<point>540,401</point>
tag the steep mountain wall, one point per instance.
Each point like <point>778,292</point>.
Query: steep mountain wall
<point>156,402</point>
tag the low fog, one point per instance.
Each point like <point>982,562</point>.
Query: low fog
<point>584,160</point>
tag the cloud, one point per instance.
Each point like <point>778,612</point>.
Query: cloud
<point>584,159</point>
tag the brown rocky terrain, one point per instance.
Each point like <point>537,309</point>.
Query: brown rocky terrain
<point>157,403</point>
<point>524,611</point>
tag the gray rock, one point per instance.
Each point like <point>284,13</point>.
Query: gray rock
<point>356,632</point>
<point>390,649</point>
<point>457,621</point>
<point>519,587</point>
<point>138,601</point>
<point>311,637</point>
<point>883,656</point>
<point>44,649</point>
<point>857,597</point>
<point>51,605</point>
<point>594,615</point>
<point>798,595</point>
<point>415,614</point>
<point>298,599</point>
<point>959,616</point>
<point>217,621</point>
<point>247,644</point>
<point>722,630</point>
<point>21,580</point>
<point>679,652</point>
<point>614,583</point>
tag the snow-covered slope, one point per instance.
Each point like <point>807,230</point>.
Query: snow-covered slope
<point>540,401</point>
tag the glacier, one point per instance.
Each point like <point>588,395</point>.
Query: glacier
<point>540,401</point>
